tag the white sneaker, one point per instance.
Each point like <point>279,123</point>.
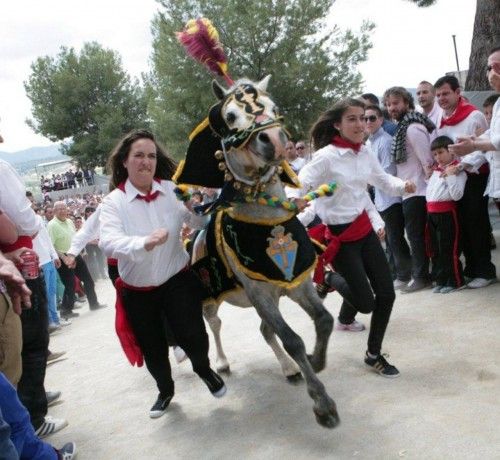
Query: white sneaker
<point>477,283</point>
<point>398,284</point>
<point>50,426</point>
<point>64,322</point>
<point>179,354</point>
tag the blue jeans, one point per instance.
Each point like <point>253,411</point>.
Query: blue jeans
<point>50,274</point>
<point>23,436</point>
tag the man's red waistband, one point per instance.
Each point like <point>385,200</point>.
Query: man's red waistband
<point>441,206</point>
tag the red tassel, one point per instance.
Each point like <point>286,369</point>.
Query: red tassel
<point>201,41</point>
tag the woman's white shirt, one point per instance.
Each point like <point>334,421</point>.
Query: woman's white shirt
<point>126,222</point>
<point>352,172</point>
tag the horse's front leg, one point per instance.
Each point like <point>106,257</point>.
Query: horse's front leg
<point>324,407</point>
<point>215,323</point>
<point>305,295</point>
<point>288,366</point>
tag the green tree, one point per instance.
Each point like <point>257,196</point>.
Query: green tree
<point>486,34</point>
<point>86,100</point>
<point>311,64</point>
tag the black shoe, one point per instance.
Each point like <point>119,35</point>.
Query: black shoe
<point>214,383</point>
<point>69,314</point>
<point>381,366</point>
<point>97,307</point>
<point>160,406</point>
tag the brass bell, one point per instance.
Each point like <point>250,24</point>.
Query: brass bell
<point>219,154</point>
<point>222,166</point>
<point>279,170</point>
<point>228,177</point>
<point>247,190</point>
<point>237,185</point>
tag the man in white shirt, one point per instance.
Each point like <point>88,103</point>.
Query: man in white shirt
<point>463,119</point>
<point>426,97</point>
<point>293,158</point>
<point>411,153</point>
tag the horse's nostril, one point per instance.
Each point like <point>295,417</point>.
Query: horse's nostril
<point>263,137</point>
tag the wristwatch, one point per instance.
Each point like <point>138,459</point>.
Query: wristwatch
<point>460,167</point>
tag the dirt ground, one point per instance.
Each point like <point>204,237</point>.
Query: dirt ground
<point>445,405</point>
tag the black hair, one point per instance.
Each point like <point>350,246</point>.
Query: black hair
<point>375,108</point>
<point>441,142</point>
<point>490,100</point>
<point>371,97</point>
<point>450,79</point>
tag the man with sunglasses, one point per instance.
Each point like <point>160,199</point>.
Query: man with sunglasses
<point>460,118</point>
<point>389,207</point>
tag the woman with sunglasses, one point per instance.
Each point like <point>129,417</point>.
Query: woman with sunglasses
<point>337,137</point>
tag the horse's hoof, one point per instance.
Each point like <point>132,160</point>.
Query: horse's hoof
<point>295,379</point>
<point>224,369</point>
<point>330,419</point>
<point>316,364</point>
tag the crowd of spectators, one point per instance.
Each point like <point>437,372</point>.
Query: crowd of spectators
<point>67,180</point>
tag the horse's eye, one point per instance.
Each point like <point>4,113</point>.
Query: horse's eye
<point>230,118</point>
<point>276,110</point>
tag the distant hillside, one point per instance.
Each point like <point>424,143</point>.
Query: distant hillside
<point>40,154</point>
<point>26,160</point>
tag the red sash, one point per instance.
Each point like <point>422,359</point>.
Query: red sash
<point>23,241</point>
<point>112,262</point>
<point>124,331</point>
<point>441,206</point>
<point>463,110</point>
<point>358,229</point>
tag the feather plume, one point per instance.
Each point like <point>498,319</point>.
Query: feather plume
<point>201,41</point>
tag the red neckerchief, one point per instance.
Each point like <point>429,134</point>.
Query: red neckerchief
<point>463,110</point>
<point>441,169</point>
<point>147,198</point>
<point>345,144</point>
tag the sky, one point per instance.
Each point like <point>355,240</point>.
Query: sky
<point>410,44</point>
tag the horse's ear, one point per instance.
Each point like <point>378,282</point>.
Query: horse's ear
<point>218,90</point>
<point>262,85</point>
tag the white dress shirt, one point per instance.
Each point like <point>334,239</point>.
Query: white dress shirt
<point>419,157</point>
<point>468,127</point>
<point>88,232</point>
<point>126,222</point>
<point>14,203</point>
<point>449,188</point>
<point>43,246</point>
<point>435,114</point>
<point>352,172</point>
<point>308,214</point>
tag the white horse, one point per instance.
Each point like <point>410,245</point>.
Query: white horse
<point>252,139</point>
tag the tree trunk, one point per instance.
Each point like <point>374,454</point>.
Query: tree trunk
<point>486,35</point>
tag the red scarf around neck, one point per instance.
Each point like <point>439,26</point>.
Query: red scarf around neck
<point>463,110</point>
<point>345,144</point>
<point>151,196</point>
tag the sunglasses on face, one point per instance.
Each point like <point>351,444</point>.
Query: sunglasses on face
<point>372,118</point>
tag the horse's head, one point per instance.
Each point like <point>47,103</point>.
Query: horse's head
<point>247,121</point>
<point>240,143</point>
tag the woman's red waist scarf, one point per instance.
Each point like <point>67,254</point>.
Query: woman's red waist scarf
<point>358,229</point>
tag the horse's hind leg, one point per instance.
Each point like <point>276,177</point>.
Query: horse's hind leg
<point>288,366</point>
<point>324,407</point>
<point>306,296</point>
<point>215,323</point>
